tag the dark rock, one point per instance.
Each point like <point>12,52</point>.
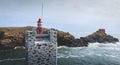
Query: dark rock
<point>1,35</point>
<point>101,37</point>
<point>65,38</point>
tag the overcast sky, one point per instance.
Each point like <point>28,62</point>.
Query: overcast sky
<point>75,16</point>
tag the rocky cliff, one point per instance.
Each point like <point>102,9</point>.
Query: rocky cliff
<point>11,37</point>
<point>14,36</point>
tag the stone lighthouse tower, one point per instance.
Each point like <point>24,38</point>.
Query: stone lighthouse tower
<point>41,46</point>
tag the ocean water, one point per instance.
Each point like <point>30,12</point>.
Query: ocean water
<point>94,54</point>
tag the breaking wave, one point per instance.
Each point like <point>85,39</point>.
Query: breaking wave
<point>94,54</point>
<point>4,60</point>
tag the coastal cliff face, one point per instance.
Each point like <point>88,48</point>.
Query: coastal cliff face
<point>14,36</point>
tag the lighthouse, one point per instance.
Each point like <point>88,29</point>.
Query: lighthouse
<point>39,29</point>
<point>41,46</point>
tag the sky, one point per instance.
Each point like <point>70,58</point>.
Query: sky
<point>78,17</point>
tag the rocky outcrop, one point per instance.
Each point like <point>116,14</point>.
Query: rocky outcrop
<point>101,37</point>
<point>64,38</point>
<point>14,36</point>
<point>11,37</point>
<point>67,39</point>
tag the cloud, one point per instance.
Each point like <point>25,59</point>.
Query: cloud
<point>68,15</point>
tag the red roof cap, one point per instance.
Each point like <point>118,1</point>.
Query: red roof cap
<point>39,20</point>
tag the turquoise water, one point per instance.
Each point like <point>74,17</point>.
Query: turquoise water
<point>94,54</point>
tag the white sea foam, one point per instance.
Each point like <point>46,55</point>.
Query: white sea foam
<point>94,54</point>
<point>62,47</point>
<point>11,59</point>
<point>104,44</point>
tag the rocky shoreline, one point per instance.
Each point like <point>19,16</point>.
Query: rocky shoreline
<point>99,36</point>
<point>14,36</point>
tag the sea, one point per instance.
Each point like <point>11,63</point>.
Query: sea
<point>94,54</point>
